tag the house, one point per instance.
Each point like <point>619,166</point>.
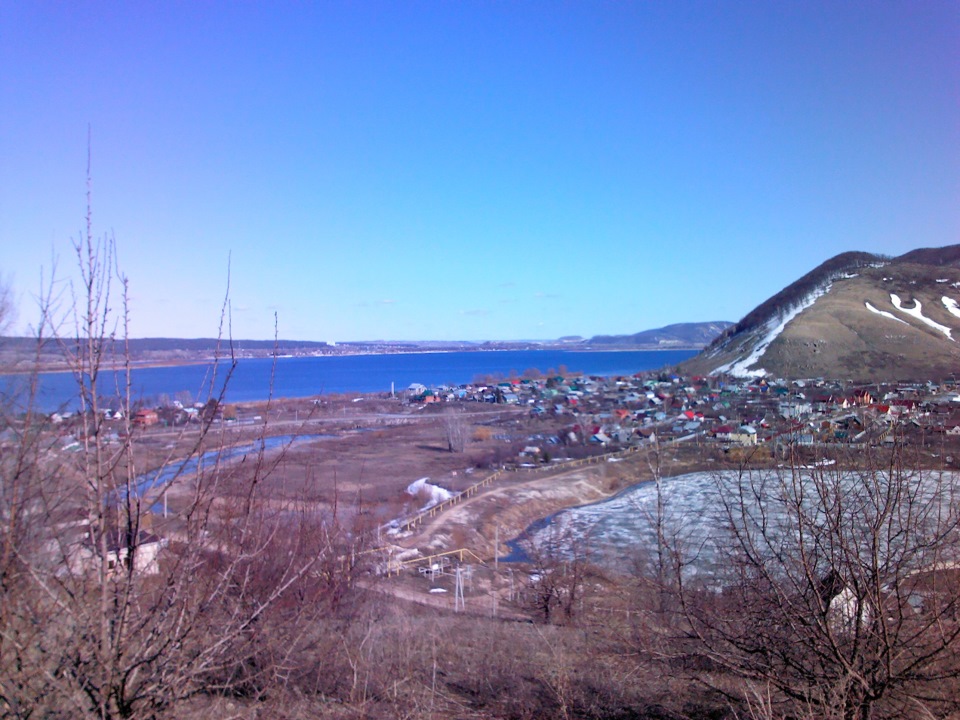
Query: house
<point>744,435</point>
<point>600,437</point>
<point>146,418</point>
<point>951,428</point>
<point>144,552</point>
<point>791,410</point>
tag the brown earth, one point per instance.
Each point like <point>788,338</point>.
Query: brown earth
<point>355,455</point>
<point>357,458</point>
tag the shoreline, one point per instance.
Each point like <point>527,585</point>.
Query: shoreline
<point>42,368</point>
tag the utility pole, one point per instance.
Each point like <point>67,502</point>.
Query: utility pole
<point>458,601</point>
<point>495,580</point>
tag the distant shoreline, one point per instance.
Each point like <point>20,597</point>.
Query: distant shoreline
<point>254,378</point>
<point>51,368</point>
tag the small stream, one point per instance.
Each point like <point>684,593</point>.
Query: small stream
<point>166,474</point>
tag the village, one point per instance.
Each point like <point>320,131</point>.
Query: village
<point>526,421</point>
<point>599,413</point>
<point>724,412</point>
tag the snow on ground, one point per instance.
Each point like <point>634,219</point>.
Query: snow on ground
<point>774,327</point>
<point>916,311</point>
<point>951,305</point>
<point>886,314</point>
<point>434,493</point>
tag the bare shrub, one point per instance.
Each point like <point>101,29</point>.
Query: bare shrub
<point>836,591</point>
<point>99,616</point>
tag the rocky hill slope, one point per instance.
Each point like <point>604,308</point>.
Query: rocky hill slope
<point>858,316</point>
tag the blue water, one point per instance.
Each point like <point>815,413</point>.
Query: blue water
<point>305,377</point>
<point>155,479</point>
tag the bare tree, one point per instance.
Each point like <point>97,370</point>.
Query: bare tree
<point>454,431</point>
<point>836,589</point>
<point>558,572</point>
<point>99,617</point>
<point>7,308</point>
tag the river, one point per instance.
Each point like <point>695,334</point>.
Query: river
<point>257,379</point>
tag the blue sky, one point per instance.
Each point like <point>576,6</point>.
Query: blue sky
<point>472,170</point>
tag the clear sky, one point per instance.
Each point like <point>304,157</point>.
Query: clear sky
<point>472,170</point>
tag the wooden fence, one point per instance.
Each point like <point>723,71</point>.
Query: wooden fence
<point>394,567</point>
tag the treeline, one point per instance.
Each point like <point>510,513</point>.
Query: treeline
<point>143,345</point>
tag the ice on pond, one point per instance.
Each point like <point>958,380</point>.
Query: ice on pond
<point>701,511</point>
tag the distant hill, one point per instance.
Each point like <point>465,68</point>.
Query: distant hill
<point>19,352</point>
<point>15,351</point>
<point>678,336</point>
<point>211,344</point>
<point>857,316</point>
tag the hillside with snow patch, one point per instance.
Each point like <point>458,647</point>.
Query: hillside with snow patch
<point>856,316</point>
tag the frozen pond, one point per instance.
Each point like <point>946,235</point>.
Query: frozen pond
<point>617,530</point>
<point>702,509</point>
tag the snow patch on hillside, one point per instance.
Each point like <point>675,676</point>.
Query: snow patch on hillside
<point>434,494</point>
<point>916,311</point>
<point>886,314</point>
<point>773,328</point>
<point>951,305</point>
